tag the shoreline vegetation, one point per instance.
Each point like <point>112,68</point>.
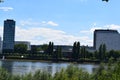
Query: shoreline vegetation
<point>48,52</point>
<point>108,71</point>
<point>12,58</point>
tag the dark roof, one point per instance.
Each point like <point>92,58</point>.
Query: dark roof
<point>9,20</point>
<point>106,31</point>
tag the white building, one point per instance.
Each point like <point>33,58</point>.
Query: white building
<point>111,38</point>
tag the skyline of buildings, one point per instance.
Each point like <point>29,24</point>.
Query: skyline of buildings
<point>111,38</point>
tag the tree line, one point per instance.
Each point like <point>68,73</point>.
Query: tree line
<point>78,52</point>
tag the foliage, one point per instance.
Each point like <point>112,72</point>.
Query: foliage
<point>34,49</point>
<point>102,52</point>
<point>49,49</point>
<point>4,75</point>
<point>57,54</point>
<point>76,50</point>
<point>20,48</point>
<point>44,47</point>
<point>83,52</point>
<point>110,71</point>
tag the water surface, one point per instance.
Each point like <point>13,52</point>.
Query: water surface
<point>24,67</point>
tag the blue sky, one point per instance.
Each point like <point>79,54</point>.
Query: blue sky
<point>60,21</point>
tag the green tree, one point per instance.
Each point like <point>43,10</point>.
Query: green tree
<point>34,49</point>
<point>83,52</point>
<point>49,49</point>
<point>20,48</point>
<point>44,47</point>
<point>76,50</point>
<point>102,52</point>
<point>57,54</point>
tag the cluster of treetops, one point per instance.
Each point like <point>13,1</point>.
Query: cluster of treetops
<point>77,53</point>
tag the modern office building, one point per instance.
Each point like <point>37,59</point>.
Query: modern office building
<point>8,35</point>
<point>111,38</point>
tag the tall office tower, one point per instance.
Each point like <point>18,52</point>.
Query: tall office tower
<point>111,38</point>
<point>8,36</point>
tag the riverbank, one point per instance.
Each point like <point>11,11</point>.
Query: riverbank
<point>52,60</point>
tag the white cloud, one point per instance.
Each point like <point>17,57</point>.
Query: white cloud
<point>112,26</point>
<point>91,30</point>
<point>6,8</point>
<point>43,35</point>
<point>1,31</point>
<point>52,23</point>
<point>42,23</point>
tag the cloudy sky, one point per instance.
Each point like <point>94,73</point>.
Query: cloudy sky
<point>60,21</point>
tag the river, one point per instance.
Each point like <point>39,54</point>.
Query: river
<point>24,67</point>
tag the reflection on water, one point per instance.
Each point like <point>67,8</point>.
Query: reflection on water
<point>24,67</point>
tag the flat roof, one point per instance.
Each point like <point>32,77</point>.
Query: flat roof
<point>106,30</point>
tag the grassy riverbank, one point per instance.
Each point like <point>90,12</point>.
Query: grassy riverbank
<point>110,72</point>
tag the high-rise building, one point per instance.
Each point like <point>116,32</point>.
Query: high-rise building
<point>111,38</point>
<point>8,35</point>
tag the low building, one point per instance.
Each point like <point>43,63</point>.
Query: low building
<point>66,50</point>
<point>24,42</point>
<point>90,49</point>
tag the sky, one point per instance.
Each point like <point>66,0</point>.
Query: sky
<point>60,21</point>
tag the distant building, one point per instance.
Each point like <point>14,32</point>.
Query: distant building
<point>111,38</point>
<point>8,35</point>
<point>90,48</point>
<point>24,42</point>
<point>66,50</point>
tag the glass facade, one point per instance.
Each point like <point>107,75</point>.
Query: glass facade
<point>8,35</point>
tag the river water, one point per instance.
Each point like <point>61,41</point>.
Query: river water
<point>24,67</point>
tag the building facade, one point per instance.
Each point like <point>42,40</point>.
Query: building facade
<point>111,38</point>
<point>8,36</point>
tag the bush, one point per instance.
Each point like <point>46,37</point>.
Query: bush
<point>109,72</point>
